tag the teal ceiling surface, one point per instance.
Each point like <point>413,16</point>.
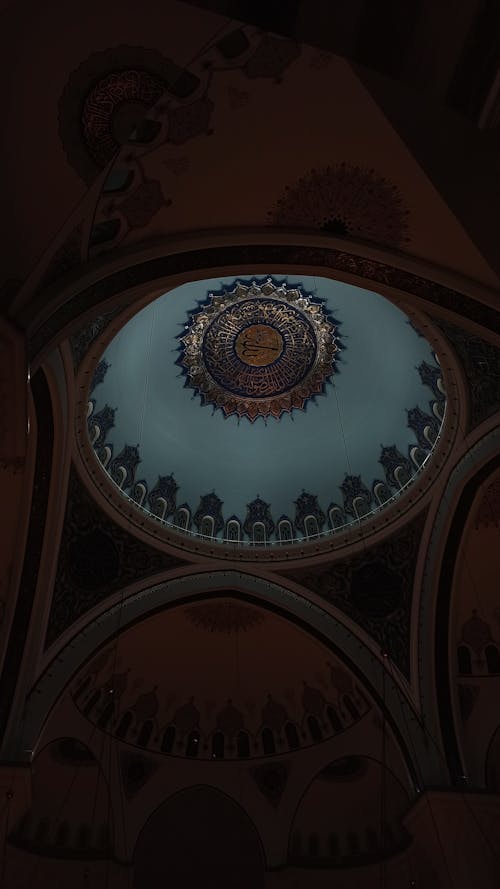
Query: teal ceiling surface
<point>374,421</point>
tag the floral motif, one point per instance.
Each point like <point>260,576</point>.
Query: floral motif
<point>397,467</point>
<point>357,497</point>
<point>163,496</point>
<point>258,511</point>
<point>125,462</point>
<point>306,506</point>
<point>224,617</point>
<point>99,374</point>
<point>114,89</point>
<point>210,507</point>
<point>345,199</point>
<point>481,363</point>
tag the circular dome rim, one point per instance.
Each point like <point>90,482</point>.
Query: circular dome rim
<point>336,544</point>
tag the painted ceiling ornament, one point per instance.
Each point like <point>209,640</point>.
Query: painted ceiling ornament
<point>345,200</point>
<point>259,349</point>
<point>113,90</point>
<point>224,617</point>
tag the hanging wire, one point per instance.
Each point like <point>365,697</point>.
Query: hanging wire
<point>5,814</point>
<point>383,786</point>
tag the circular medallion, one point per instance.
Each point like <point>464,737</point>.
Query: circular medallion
<point>260,349</point>
<point>259,345</point>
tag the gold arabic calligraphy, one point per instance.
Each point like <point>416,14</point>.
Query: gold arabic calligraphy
<point>259,345</point>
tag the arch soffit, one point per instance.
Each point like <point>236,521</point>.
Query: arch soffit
<point>422,760</point>
<point>480,456</point>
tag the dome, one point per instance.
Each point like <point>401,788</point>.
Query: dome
<point>265,410</point>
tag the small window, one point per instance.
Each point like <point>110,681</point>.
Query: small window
<point>353,843</point>
<point>139,493</point>
<point>42,830</point>
<point>311,526</point>
<point>336,517</point>
<point>314,729</point>
<point>106,715</point>
<point>361,507</point>
<point>233,531</point>
<point>418,456</point>
<point>285,531</point>
<point>207,526</point>
<point>83,837</point>
<point>313,845</point>
<point>402,476</point>
<point>333,846</point>
<point>168,739</point>
<point>159,508</point>
<point>296,844</point>
<point>492,659</point>
<point>268,742</point>
<point>259,533</point>
<point>334,718</point>
<point>351,707</point>
<point>464,661</point>
<point>193,744</point>
<point>124,725</point>
<point>371,839</point>
<point>82,688</point>
<point>243,745</point>
<point>62,834</point>
<point>145,733</point>
<point>218,742</point>
<point>292,736</point>
<point>92,701</point>
<point>182,518</point>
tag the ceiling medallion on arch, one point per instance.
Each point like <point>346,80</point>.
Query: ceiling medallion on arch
<point>259,349</point>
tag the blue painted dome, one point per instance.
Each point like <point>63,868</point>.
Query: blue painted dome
<point>265,410</point>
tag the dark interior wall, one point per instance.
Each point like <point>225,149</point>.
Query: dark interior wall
<point>462,162</point>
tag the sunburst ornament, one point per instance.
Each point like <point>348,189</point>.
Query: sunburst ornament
<point>259,349</point>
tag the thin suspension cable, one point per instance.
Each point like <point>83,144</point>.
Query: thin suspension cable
<point>383,778</point>
<point>6,816</point>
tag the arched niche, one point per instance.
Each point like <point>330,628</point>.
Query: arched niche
<point>340,819</point>
<point>199,837</point>
<point>189,589</point>
<point>70,814</point>
<point>448,692</point>
<point>475,635</point>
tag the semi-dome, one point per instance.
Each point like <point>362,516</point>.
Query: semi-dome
<point>266,410</point>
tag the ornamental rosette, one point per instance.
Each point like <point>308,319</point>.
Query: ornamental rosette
<point>259,349</point>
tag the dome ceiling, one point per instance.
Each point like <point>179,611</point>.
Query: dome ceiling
<point>265,410</point>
